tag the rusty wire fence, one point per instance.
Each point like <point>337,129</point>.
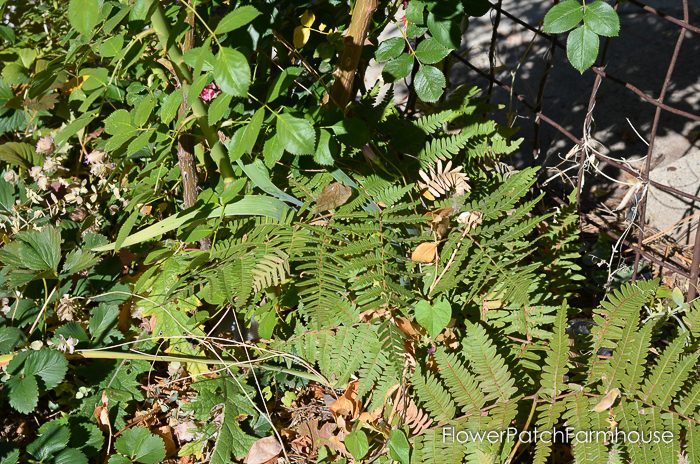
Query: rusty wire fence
<point>584,150</point>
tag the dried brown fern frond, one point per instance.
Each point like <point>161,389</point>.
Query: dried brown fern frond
<point>442,180</point>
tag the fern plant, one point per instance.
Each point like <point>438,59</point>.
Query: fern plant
<point>615,398</point>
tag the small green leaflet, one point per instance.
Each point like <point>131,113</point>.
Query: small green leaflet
<point>84,15</point>
<point>296,134</point>
<point>49,365</point>
<point>244,139</point>
<point>399,449</point>
<point>582,48</point>
<point>563,17</point>
<point>430,83</point>
<point>170,105</point>
<point>431,51</point>
<point>232,72</point>
<point>140,445</point>
<point>390,49</point>
<point>357,444</point>
<point>446,31</point>
<point>435,317</point>
<point>602,19</point>
<point>236,19</point>
<point>398,68</point>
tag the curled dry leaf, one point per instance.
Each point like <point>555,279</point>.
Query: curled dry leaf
<point>332,196</point>
<point>263,451</point>
<point>101,414</point>
<point>416,418</point>
<point>441,180</point>
<point>440,220</point>
<point>407,327</point>
<point>166,433</point>
<point>607,401</point>
<point>347,405</point>
<point>470,219</point>
<point>425,252</point>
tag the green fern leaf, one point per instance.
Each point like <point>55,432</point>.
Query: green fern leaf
<point>489,366</point>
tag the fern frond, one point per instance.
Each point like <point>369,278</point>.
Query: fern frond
<point>431,447</point>
<point>613,314</point>
<point>688,405</point>
<point>490,368</point>
<point>461,383</point>
<point>556,358</point>
<point>433,395</point>
<point>580,417</point>
<point>669,374</point>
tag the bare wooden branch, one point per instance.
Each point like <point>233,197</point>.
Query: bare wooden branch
<point>342,90</point>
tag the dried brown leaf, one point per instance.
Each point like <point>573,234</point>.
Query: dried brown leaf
<point>607,401</point>
<point>263,451</point>
<point>332,196</point>
<point>425,252</point>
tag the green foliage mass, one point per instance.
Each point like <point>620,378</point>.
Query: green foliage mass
<point>194,236</point>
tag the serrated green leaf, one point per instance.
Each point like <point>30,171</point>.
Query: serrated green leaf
<point>119,123</point>
<point>23,393</point>
<point>398,68</point>
<point>84,15</point>
<point>582,48</point>
<point>435,317</point>
<point>38,250</point>
<point>171,103</point>
<point>22,155</point>
<point>73,128</point>
<point>429,83</point>
<point>119,459</point>
<point>71,456</point>
<point>140,445</point>
<point>245,141</point>
<point>283,81</point>
<point>78,260</point>
<point>232,72</point>
<point>112,46</point>
<point>139,143</point>
<point>602,19</point>
<point>236,19</point>
<point>296,134</point>
<point>357,444</point>
<point>273,150</point>
<point>51,366</point>
<point>389,49</point>
<point>143,110</point>
<point>139,10</point>
<point>53,437</point>
<point>10,337</point>
<point>563,17</point>
<point>325,148</point>
<point>259,175</point>
<point>445,30</point>
<point>218,108</point>
<point>102,321</point>
<point>431,51</point>
<point>414,12</point>
<point>232,441</point>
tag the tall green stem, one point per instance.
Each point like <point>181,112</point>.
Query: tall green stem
<point>113,355</point>
<point>162,27</point>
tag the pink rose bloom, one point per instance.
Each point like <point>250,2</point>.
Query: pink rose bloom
<point>210,92</point>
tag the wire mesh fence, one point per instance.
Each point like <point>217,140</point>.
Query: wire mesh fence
<point>638,238</point>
